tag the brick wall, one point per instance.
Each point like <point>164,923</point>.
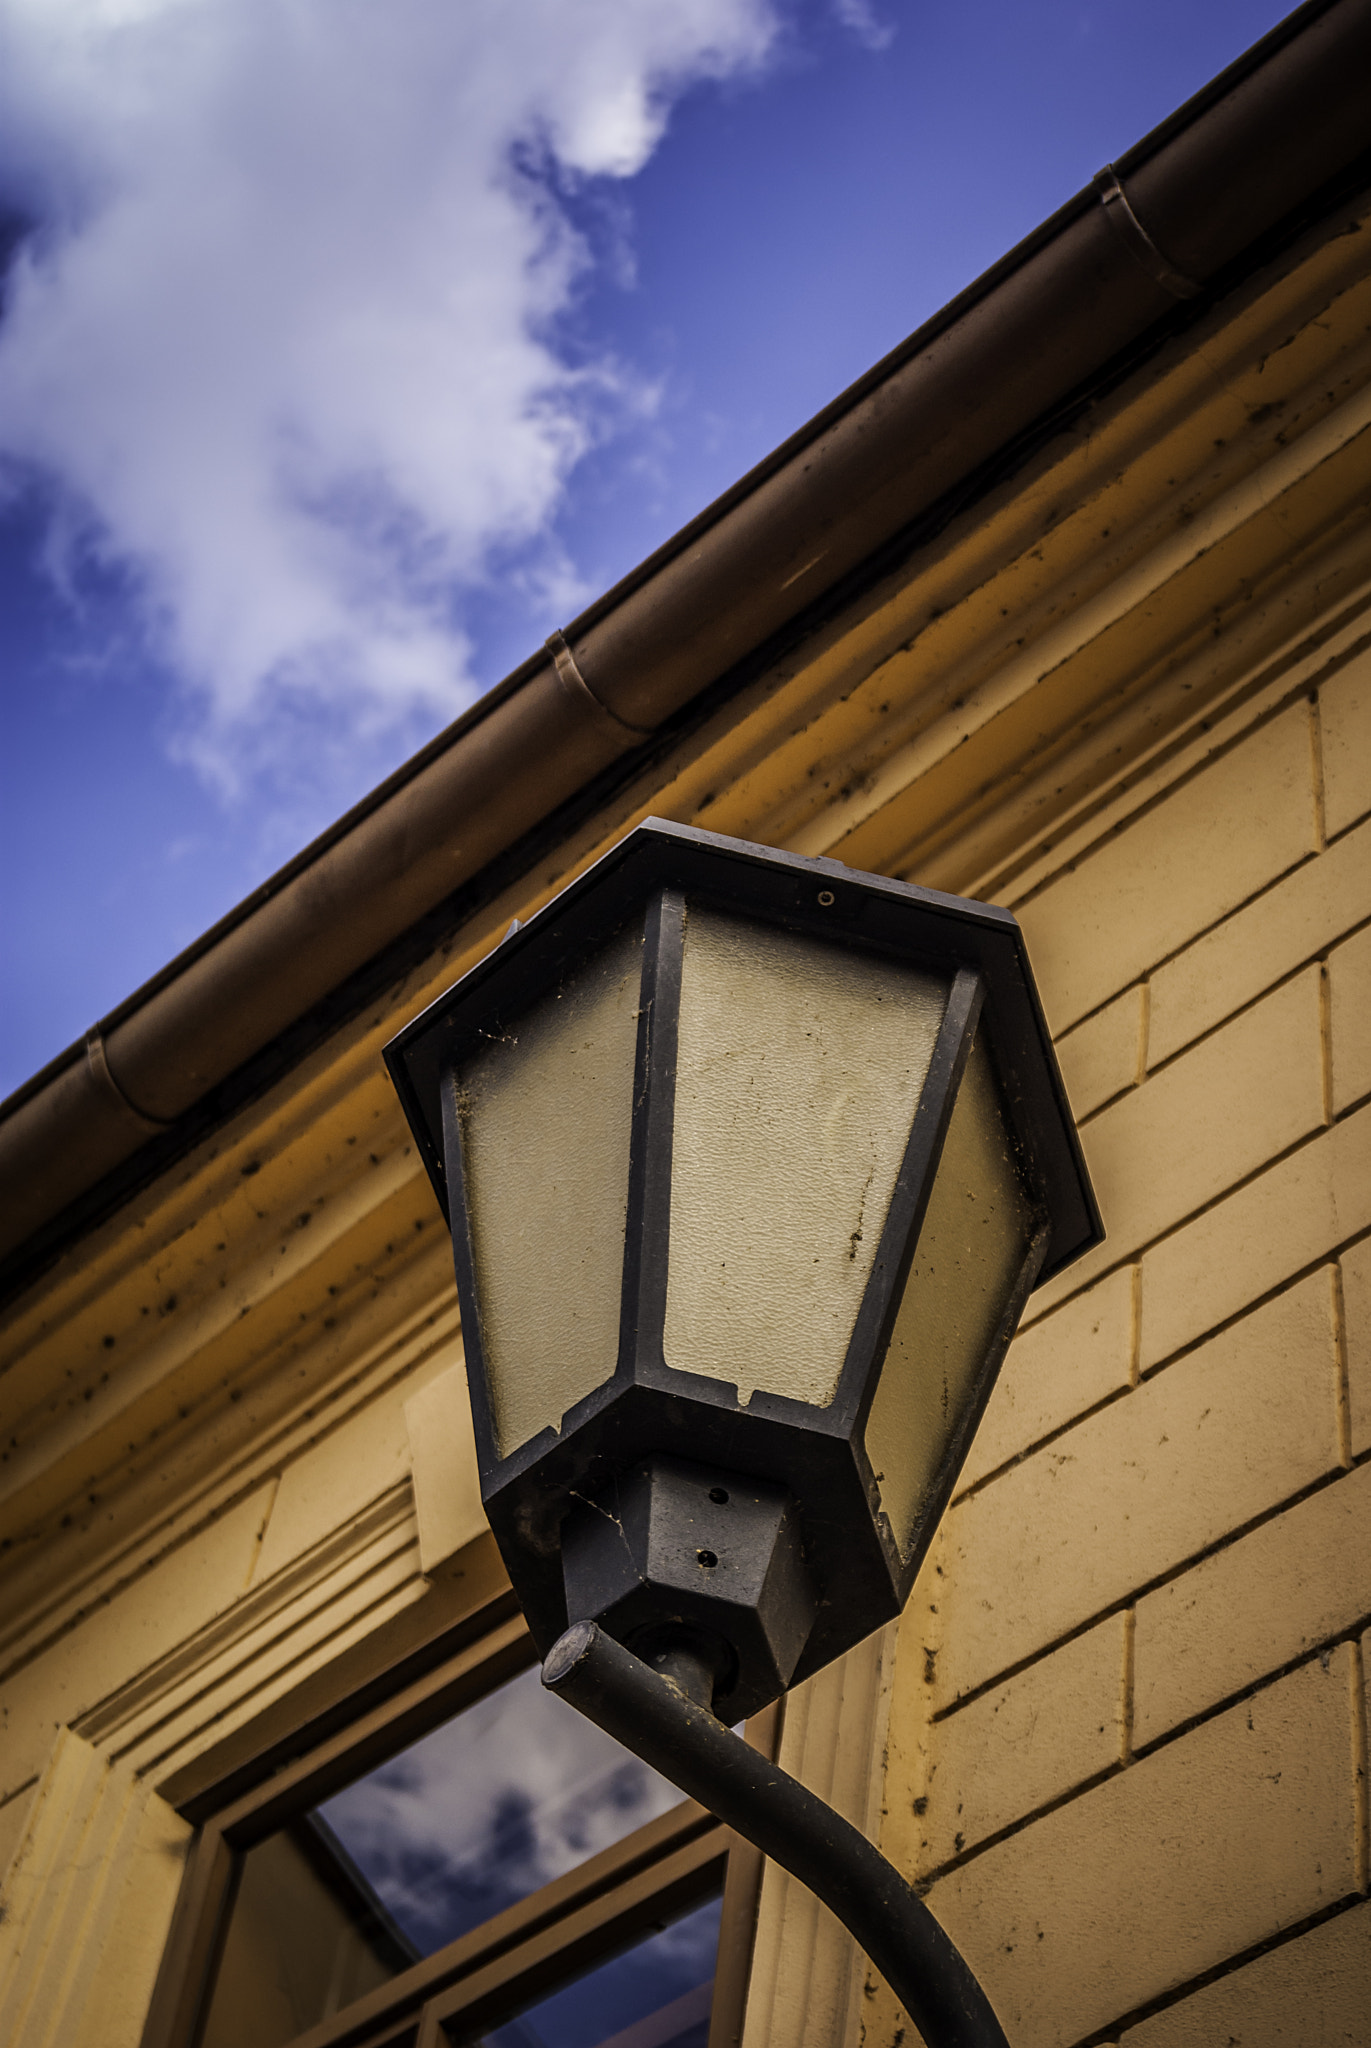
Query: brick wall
<point>1129,1735</point>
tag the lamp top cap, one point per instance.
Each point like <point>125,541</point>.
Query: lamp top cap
<point>817,896</point>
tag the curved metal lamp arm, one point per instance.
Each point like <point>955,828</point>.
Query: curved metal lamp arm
<point>654,1716</point>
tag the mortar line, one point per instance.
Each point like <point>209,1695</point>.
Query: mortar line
<point>1181,1730</point>
<point>1316,770</point>
<point>1126,1684</point>
<point>1342,1388</point>
<point>1362,1843</point>
<point>1113,2030</point>
<point>1326,1041</point>
<point>1205,1208</point>
<point>1286,672</point>
<point>1279,980</point>
<point>1155,1584</point>
<point>1144,1027</point>
<point>1163,1365</point>
<point>1219,711</point>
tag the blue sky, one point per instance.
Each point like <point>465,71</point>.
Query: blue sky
<point>349,346</point>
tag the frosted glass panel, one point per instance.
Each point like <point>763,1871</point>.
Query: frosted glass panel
<point>799,1069</point>
<point>546,1118</point>
<point>975,1238</point>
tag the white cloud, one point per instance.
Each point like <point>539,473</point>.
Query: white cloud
<point>283,337</point>
<point>860,17</point>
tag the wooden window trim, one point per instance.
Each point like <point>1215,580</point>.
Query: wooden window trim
<point>666,1887</point>
<point>380,1733</point>
<point>574,1921</point>
<point>455,1612</point>
<point>537,1941</point>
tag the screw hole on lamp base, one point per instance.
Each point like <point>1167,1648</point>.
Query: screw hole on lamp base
<point>669,1546</point>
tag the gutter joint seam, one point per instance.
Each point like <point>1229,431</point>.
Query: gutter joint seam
<point>572,680</point>
<point>1125,223</point>
<point>103,1075</point>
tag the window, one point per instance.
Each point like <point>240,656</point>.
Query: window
<point>469,1865</point>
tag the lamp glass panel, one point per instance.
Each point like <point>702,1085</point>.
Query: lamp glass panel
<point>975,1237</point>
<point>799,1069</point>
<point>546,1114</point>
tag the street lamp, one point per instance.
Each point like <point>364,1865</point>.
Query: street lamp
<point>750,1163</point>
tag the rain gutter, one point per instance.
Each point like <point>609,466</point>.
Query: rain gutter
<point>1266,148</point>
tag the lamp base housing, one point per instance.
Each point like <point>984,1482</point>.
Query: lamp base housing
<point>671,1550</point>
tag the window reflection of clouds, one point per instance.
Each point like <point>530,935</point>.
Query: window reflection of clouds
<point>515,1791</point>
<point>616,2003</point>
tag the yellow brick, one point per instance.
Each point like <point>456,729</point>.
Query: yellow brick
<point>1349,1003</point>
<point>1058,1367</point>
<point>1024,1744</point>
<point>1345,711</point>
<point>1253,1607</point>
<point>1255,948</point>
<point>1299,1210</point>
<point>1356,1302</point>
<point>1214,1843</point>
<point>1177,869</point>
<point>1207,1121</point>
<point>1133,1491</point>
<point>1314,1991</point>
<point>1099,1059</point>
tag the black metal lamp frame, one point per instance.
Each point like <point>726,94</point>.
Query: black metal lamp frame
<point>864,1576</point>
<point>824,1560</point>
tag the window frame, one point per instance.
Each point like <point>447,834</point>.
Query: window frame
<point>537,1943</point>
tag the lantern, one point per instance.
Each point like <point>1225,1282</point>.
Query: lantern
<point>751,1162</point>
